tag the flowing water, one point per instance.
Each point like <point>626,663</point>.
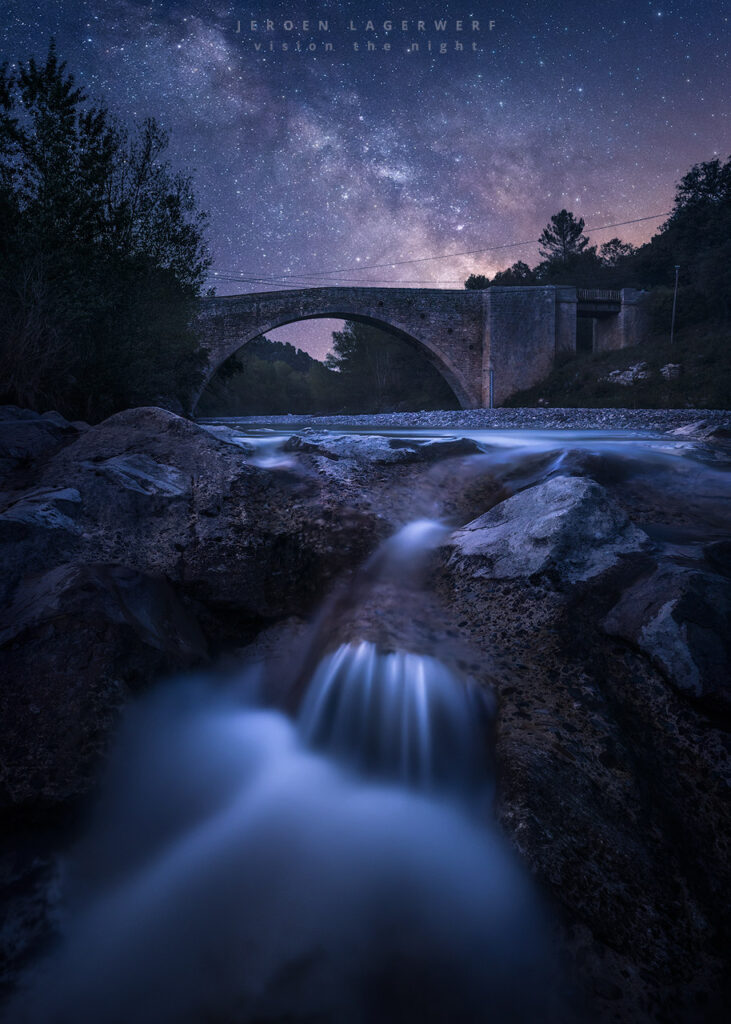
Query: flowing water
<point>337,862</point>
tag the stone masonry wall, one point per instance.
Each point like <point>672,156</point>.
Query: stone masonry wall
<point>447,325</point>
<point>521,329</point>
<point>518,333</point>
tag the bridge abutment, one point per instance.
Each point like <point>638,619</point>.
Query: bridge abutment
<point>628,327</point>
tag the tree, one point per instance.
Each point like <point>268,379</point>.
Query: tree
<point>705,184</point>
<point>103,258</point>
<point>476,282</point>
<point>379,372</point>
<point>519,274</point>
<point>696,237</point>
<point>563,238</point>
<point>613,252</point>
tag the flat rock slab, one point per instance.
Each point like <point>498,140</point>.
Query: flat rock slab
<point>382,450</point>
<point>52,509</point>
<point>138,472</point>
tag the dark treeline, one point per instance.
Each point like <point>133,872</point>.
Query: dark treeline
<point>102,256</point>
<point>368,370</point>
<point>696,236</point>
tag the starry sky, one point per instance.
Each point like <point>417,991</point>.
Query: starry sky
<point>317,164</point>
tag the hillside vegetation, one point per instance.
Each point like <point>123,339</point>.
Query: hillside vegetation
<point>698,365</point>
<point>368,371</point>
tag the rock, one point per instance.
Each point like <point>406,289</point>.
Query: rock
<point>166,497</point>
<point>681,618</point>
<point>698,427</point>
<point>613,789</point>
<point>703,429</point>
<point>295,443</point>
<point>75,642</point>
<point>54,509</point>
<point>138,520</point>
<point>230,435</point>
<point>567,526</point>
<point>24,438</point>
<point>38,530</point>
<point>364,449</point>
<point>57,419</point>
<point>718,553</point>
<point>632,375</point>
<point>14,412</point>
<point>30,884</point>
<point>445,448</point>
<point>141,473</point>
<point>383,451</point>
<point>670,371</point>
<point>719,433</point>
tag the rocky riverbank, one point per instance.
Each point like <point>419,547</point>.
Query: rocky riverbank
<point>653,420</point>
<point>587,589</point>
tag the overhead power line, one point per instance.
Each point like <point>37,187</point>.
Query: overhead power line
<point>324,274</point>
<point>302,282</point>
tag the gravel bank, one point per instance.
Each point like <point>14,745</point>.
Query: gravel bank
<point>655,420</point>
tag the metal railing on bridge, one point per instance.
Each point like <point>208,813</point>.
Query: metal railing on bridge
<point>598,295</point>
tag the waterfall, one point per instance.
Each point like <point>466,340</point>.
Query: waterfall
<point>338,865</point>
<point>397,715</point>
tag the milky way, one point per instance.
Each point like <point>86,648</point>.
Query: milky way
<point>314,164</point>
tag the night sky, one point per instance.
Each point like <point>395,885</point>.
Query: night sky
<point>316,164</point>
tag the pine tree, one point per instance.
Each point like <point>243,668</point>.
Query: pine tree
<point>563,238</point>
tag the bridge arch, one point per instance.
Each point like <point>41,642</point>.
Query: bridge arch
<point>427,348</point>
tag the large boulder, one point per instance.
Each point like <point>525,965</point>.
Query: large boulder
<point>140,538</point>
<point>166,497</point>
<point>77,641</point>
<point>612,787</point>
<point>25,436</point>
<point>566,526</point>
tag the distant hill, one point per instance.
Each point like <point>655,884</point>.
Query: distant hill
<point>278,352</point>
<point>270,377</point>
<point>369,371</point>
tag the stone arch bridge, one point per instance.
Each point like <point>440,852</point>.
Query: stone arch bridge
<point>510,336</point>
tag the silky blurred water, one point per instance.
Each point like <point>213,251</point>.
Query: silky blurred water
<point>338,864</point>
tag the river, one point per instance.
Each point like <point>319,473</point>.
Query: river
<point>312,838</point>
